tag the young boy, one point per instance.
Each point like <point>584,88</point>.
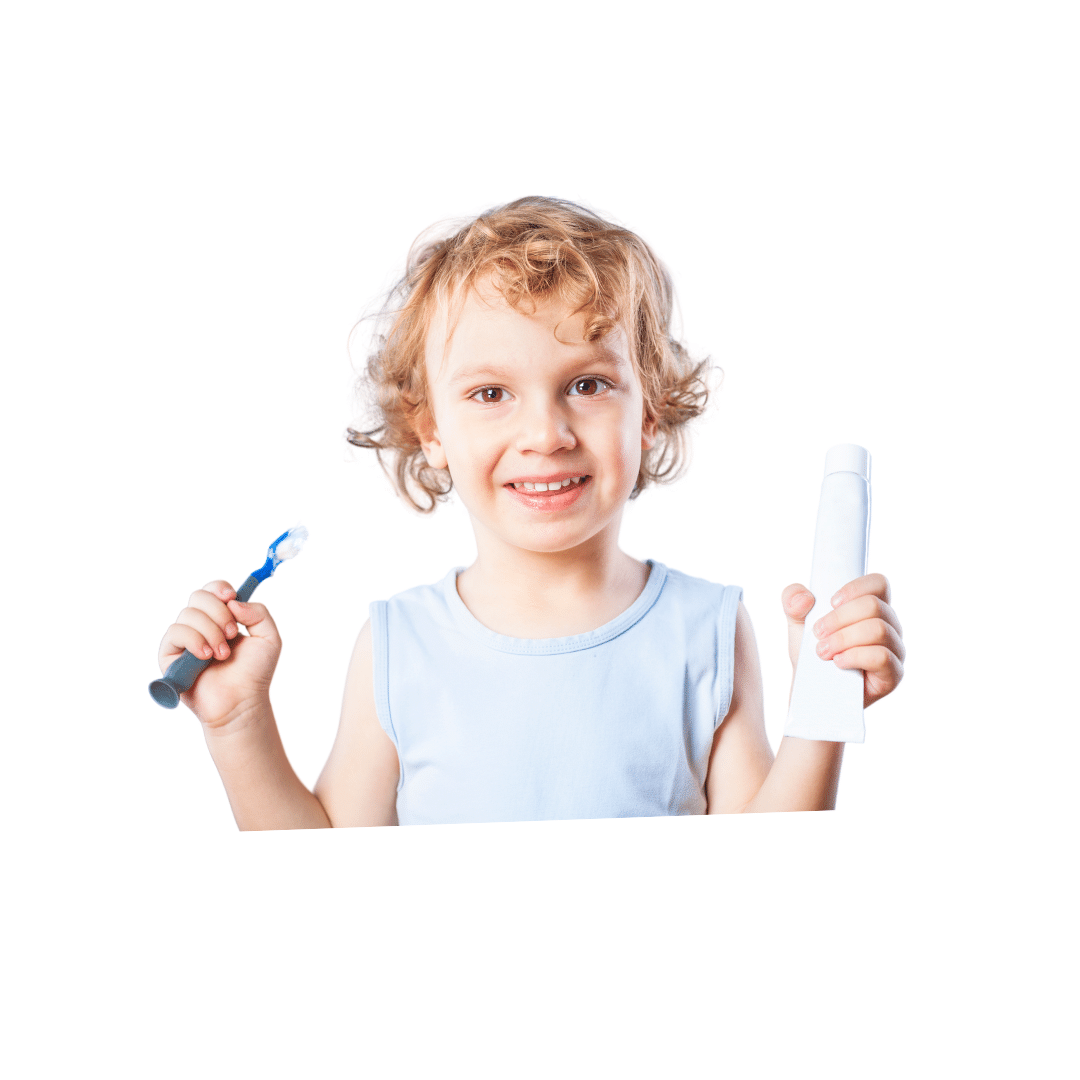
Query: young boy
<point>529,365</point>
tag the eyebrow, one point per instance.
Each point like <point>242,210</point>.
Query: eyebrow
<point>496,372</point>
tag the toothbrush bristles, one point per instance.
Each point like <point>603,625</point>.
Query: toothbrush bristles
<point>289,545</point>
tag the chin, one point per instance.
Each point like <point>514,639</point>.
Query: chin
<point>552,539</point>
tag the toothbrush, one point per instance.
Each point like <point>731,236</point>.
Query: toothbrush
<point>186,668</point>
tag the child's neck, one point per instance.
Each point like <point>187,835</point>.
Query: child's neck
<point>530,594</point>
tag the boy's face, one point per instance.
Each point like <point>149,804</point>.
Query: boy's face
<point>512,405</point>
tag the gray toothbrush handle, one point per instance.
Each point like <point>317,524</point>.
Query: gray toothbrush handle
<point>243,594</point>
<point>181,674</point>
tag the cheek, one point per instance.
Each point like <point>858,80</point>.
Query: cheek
<point>621,440</point>
<point>471,451</point>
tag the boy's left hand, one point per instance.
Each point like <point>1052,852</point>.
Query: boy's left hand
<point>862,631</point>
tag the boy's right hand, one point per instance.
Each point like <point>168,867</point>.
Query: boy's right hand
<point>238,678</point>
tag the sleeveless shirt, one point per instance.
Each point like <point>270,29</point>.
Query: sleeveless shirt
<point>616,722</point>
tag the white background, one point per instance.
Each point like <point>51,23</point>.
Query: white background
<point>870,215</point>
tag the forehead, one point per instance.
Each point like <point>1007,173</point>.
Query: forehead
<point>478,323</point>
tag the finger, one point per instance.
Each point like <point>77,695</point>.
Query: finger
<point>178,638</point>
<point>873,659</point>
<point>883,669</point>
<point>854,611</point>
<point>257,620</point>
<point>797,600</point>
<point>868,584</point>
<point>212,605</point>
<point>864,632</point>
<point>210,630</point>
<point>221,589</point>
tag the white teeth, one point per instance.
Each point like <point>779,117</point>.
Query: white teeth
<point>555,485</point>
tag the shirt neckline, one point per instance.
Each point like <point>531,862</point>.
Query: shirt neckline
<point>468,622</point>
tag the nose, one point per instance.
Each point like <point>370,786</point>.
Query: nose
<point>544,428</point>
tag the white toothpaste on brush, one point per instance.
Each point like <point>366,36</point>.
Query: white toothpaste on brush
<point>827,701</point>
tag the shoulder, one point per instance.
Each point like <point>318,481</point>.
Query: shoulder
<point>678,581</point>
<point>695,594</point>
<point>414,615</point>
<point>434,595</point>
<point>427,590</point>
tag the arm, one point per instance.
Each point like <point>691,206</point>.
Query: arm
<point>743,774</point>
<point>861,632</point>
<point>358,783</point>
<point>232,700</point>
<point>264,791</point>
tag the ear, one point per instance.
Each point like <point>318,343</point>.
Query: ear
<point>431,445</point>
<point>648,431</point>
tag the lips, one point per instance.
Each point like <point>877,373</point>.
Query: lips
<point>567,490</point>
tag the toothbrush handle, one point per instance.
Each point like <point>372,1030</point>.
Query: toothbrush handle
<point>181,674</point>
<point>243,594</point>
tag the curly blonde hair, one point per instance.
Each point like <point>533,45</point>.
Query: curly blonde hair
<point>530,249</point>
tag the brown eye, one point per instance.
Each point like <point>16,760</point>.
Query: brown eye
<point>589,387</point>
<point>490,395</point>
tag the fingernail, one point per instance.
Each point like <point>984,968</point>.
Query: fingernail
<point>822,648</point>
<point>207,652</point>
<point>223,650</point>
<point>836,599</point>
<point>230,630</point>
<point>819,628</point>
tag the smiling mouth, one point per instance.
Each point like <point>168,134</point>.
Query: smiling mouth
<point>553,486</point>
<point>551,496</point>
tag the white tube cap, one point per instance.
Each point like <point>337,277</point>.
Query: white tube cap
<point>847,457</point>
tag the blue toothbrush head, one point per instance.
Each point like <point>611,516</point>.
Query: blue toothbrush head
<point>287,545</point>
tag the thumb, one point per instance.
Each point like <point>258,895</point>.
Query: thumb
<point>797,600</point>
<point>257,620</point>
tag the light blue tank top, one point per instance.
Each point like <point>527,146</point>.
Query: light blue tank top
<point>617,722</point>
